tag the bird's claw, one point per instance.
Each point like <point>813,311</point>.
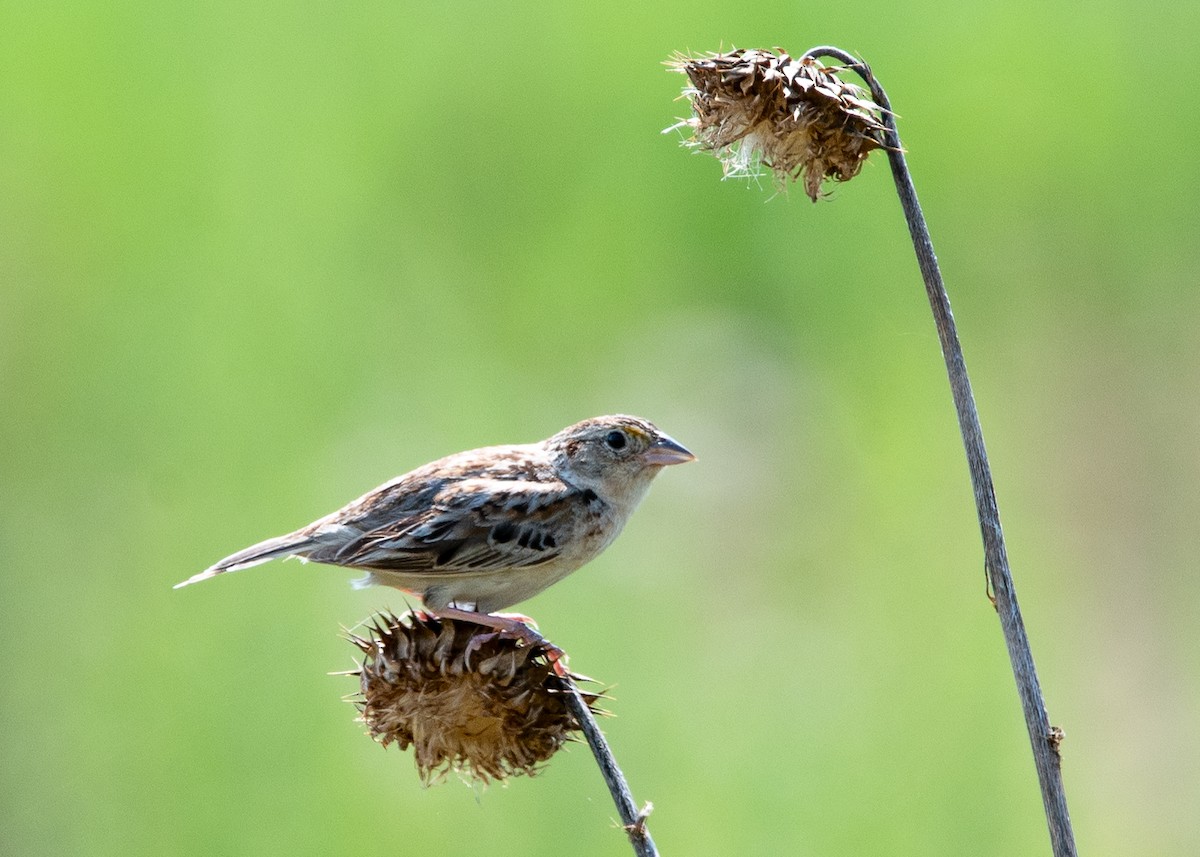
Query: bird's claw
<point>525,630</point>
<point>518,619</point>
<point>475,644</point>
<point>521,628</point>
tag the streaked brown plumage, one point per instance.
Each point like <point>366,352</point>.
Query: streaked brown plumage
<point>481,530</point>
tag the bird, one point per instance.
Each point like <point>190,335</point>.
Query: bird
<point>478,531</point>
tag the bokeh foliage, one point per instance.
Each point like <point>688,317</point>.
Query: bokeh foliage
<point>256,258</point>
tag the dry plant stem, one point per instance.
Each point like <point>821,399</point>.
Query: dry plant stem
<point>1041,734</point>
<point>633,820</point>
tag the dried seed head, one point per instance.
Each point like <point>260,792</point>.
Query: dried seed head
<point>467,698</point>
<point>793,116</point>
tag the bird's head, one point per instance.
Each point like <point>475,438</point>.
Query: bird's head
<point>615,456</point>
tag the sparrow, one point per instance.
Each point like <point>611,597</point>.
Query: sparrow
<point>475,532</point>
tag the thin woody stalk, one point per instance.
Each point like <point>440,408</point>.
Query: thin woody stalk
<point>799,119</point>
<point>633,819</point>
<point>1043,737</point>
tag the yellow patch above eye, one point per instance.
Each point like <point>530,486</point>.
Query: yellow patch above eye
<point>636,432</point>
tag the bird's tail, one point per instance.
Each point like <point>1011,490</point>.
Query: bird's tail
<point>289,545</point>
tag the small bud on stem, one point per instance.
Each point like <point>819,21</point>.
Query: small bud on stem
<point>466,698</point>
<point>794,116</point>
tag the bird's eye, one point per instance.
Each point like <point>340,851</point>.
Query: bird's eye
<point>615,439</point>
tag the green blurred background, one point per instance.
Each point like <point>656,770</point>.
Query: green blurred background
<point>257,258</point>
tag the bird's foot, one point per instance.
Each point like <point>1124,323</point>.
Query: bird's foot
<point>515,625</point>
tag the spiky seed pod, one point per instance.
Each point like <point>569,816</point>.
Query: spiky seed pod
<point>467,698</point>
<point>793,116</point>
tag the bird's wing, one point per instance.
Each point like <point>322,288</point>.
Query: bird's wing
<point>469,526</point>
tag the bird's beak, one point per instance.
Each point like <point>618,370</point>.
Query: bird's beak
<point>666,451</point>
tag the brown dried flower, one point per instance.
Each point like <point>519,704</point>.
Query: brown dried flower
<point>467,698</point>
<point>793,116</point>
